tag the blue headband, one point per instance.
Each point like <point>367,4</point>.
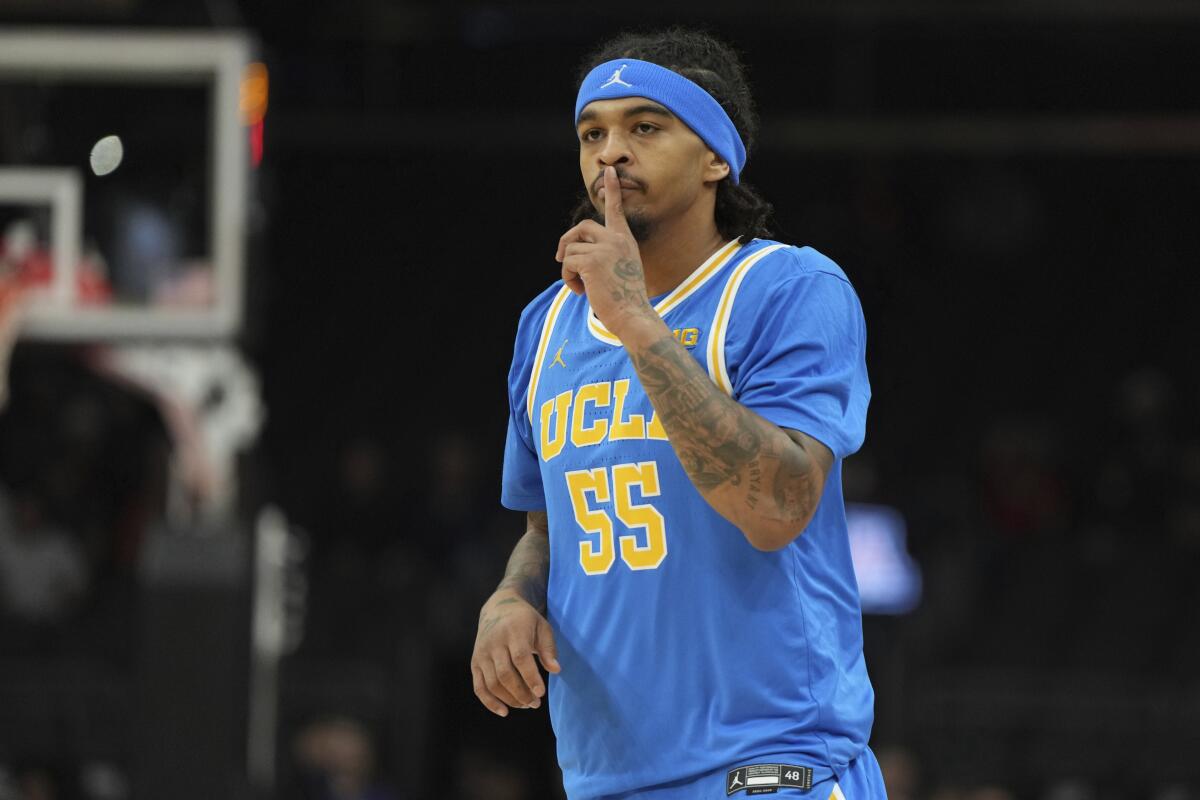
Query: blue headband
<point>628,77</point>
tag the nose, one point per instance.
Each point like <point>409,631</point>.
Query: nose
<point>615,151</point>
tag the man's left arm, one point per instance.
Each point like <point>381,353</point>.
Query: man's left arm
<point>764,479</point>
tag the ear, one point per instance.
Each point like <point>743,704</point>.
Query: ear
<point>715,168</point>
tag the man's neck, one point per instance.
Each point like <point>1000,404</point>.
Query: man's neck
<point>673,253</point>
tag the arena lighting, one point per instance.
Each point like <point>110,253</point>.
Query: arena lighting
<point>252,105</point>
<point>252,101</point>
<point>889,580</point>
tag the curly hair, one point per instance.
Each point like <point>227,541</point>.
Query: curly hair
<point>713,65</point>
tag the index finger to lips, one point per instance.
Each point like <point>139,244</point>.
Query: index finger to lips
<point>614,208</point>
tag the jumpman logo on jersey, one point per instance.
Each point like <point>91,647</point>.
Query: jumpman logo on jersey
<point>558,355</point>
<point>616,78</point>
<point>737,781</point>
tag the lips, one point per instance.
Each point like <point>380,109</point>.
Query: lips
<point>626,183</point>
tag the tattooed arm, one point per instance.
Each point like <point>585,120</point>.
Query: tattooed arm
<point>529,565</point>
<point>513,627</point>
<point>765,480</point>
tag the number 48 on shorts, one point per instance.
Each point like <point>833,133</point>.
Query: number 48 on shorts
<point>767,778</point>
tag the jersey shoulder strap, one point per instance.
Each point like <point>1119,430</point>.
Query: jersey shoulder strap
<point>715,357</point>
<point>543,342</point>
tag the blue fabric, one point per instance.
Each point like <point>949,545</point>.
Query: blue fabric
<point>799,359</point>
<point>521,488</point>
<point>699,110</point>
<point>720,654</point>
<point>862,779</point>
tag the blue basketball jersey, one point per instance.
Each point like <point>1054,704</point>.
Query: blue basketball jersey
<point>683,648</point>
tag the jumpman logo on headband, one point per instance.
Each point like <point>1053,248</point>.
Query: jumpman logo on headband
<point>616,78</point>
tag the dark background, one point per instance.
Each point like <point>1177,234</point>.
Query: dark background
<point>1013,189</point>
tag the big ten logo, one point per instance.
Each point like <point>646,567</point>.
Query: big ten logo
<point>686,336</point>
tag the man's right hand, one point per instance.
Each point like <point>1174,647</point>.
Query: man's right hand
<point>511,632</point>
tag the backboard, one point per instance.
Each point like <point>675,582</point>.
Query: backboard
<point>156,249</point>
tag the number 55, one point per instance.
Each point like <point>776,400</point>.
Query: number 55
<point>597,556</point>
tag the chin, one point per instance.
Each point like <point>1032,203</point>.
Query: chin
<point>640,225</point>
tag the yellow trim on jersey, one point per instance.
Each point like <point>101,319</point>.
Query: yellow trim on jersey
<point>716,333</point>
<point>678,295</point>
<point>543,342</point>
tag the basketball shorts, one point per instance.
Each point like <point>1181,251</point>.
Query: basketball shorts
<point>861,780</point>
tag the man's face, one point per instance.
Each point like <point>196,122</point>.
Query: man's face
<point>665,168</point>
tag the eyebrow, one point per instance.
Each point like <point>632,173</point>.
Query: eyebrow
<point>644,108</point>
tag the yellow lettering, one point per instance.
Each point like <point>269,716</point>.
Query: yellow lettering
<point>598,393</point>
<point>643,516</point>
<point>655,429</point>
<point>596,558</point>
<point>686,336</point>
<point>555,409</point>
<point>632,428</point>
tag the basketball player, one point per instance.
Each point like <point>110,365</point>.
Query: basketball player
<point>681,402</point>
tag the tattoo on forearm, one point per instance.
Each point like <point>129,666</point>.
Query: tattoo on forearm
<point>794,489</point>
<point>754,487</point>
<point>719,441</point>
<point>794,481</point>
<point>527,574</point>
<point>712,435</point>
<point>529,565</point>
